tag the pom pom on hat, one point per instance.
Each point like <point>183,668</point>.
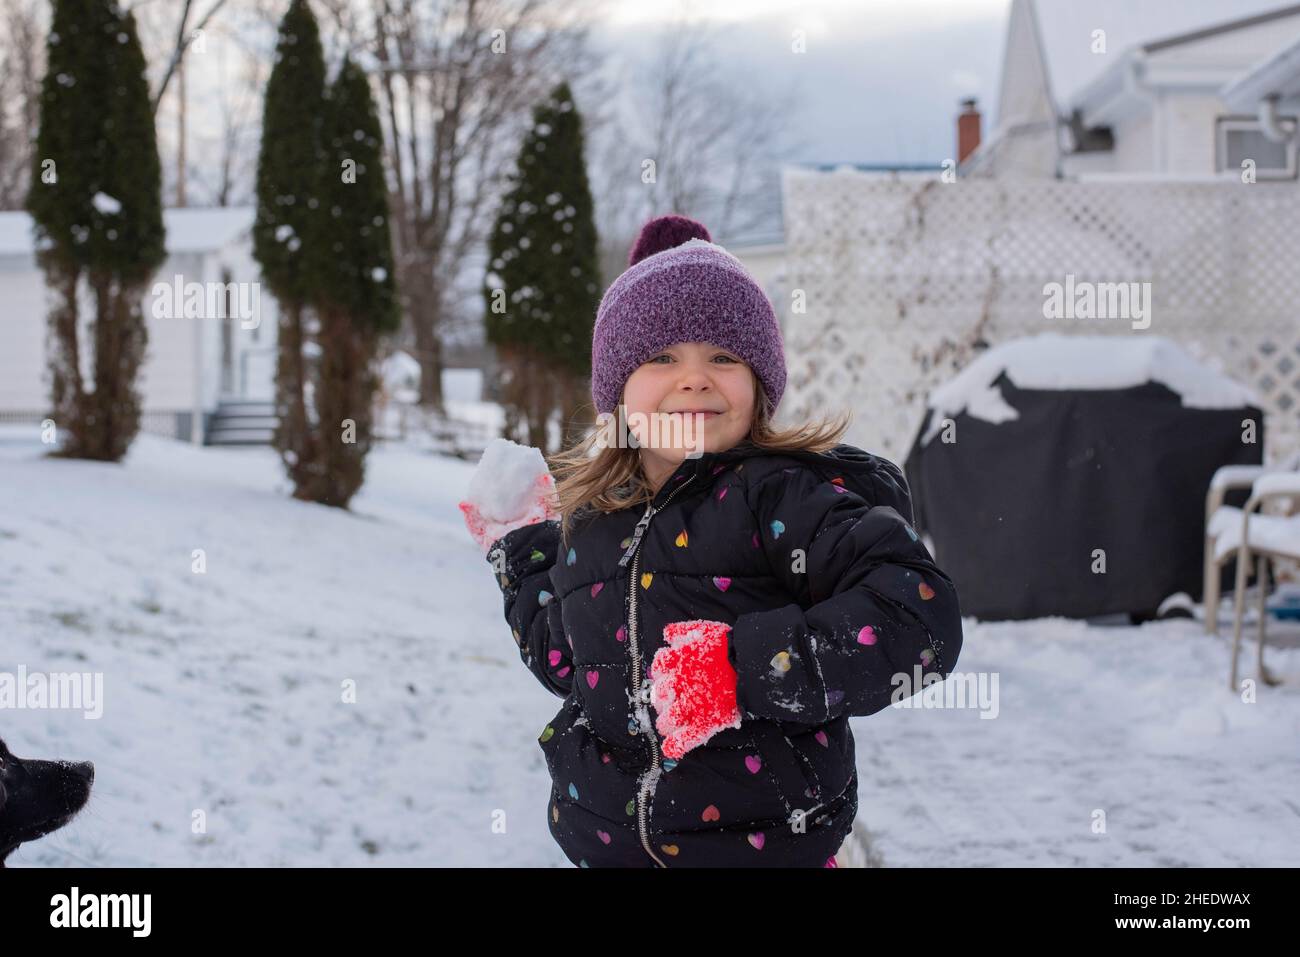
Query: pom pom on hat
<point>666,232</point>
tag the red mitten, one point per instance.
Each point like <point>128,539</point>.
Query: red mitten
<point>693,685</point>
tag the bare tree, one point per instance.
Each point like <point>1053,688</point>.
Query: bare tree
<point>187,30</point>
<point>237,63</point>
<point>711,135</point>
<point>169,31</point>
<point>23,24</point>
<point>457,79</point>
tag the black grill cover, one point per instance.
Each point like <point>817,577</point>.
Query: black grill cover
<point>1016,509</point>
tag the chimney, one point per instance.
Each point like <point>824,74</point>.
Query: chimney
<point>968,129</point>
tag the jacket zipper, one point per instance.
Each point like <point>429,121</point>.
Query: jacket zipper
<point>651,777</point>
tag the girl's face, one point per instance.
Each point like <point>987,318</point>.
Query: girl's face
<point>687,377</point>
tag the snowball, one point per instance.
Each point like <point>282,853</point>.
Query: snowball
<point>106,204</point>
<point>505,481</point>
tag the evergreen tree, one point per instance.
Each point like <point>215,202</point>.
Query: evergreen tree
<point>355,295</point>
<point>287,173</point>
<point>542,287</point>
<point>353,257</point>
<point>96,202</point>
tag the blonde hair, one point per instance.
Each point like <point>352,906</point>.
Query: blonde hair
<point>610,478</point>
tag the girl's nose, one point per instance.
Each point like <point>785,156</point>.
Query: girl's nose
<point>695,378</point>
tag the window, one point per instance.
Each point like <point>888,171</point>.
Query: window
<point>1238,139</point>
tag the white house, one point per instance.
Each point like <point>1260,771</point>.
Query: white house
<point>1139,144</point>
<point>1169,89</point>
<point>211,327</point>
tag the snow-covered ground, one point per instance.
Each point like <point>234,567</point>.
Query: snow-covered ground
<point>223,692</point>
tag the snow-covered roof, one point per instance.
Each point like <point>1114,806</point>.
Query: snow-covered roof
<point>1278,76</point>
<point>1052,361</point>
<point>1203,60</point>
<point>189,229</point>
<point>203,230</point>
<point>1050,69</point>
<point>1065,29</point>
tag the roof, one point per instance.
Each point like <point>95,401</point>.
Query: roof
<point>1049,68</point>
<point>189,229</point>
<point>1279,76</point>
<point>1065,30</point>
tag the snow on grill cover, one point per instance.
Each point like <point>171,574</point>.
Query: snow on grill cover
<point>811,558</point>
<point>1065,452</point>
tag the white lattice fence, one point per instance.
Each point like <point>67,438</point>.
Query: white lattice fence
<point>906,278</point>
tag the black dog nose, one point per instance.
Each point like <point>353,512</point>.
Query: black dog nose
<point>85,770</point>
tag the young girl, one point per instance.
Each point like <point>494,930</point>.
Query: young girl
<point>712,611</point>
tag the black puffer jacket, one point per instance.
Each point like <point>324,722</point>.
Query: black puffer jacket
<point>812,560</point>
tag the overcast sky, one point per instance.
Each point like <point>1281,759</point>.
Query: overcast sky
<point>880,81</point>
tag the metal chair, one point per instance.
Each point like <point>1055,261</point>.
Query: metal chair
<point>1267,537</point>
<point>1222,524</point>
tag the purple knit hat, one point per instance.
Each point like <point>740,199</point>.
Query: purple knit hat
<point>680,287</point>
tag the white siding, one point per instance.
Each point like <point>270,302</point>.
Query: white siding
<point>168,373</point>
<point>1189,133</point>
<point>22,337</point>
<point>170,378</point>
<point>1134,147</point>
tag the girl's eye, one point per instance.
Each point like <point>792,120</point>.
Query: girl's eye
<point>720,355</point>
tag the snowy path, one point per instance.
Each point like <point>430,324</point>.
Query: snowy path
<point>223,692</point>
